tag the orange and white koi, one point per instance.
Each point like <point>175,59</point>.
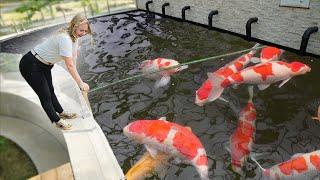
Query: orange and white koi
<point>242,138</point>
<point>300,166</point>
<point>261,74</point>
<point>154,70</point>
<point>234,66</point>
<point>172,139</point>
<point>268,54</point>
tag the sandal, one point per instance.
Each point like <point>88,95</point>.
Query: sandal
<point>67,115</point>
<point>62,124</point>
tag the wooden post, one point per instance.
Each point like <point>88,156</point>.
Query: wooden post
<point>85,11</point>
<point>24,29</point>
<point>51,11</point>
<point>64,15</point>
<point>15,26</point>
<point>108,6</point>
<point>91,9</point>
<point>97,5</point>
<point>1,20</point>
<point>42,17</point>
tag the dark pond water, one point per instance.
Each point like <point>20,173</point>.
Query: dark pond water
<point>284,124</point>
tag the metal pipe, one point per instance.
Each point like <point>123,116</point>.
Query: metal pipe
<point>305,38</point>
<point>215,12</point>
<point>183,12</point>
<point>164,8</point>
<point>147,5</point>
<point>248,27</point>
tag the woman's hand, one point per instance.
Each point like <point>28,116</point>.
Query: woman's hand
<point>84,87</point>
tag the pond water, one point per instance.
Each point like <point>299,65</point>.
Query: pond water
<point>284,124</point>
<point>123,41</point>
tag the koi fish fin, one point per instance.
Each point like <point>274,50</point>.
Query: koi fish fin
<point>217,89</point>
<point>162,82</point>
<point>235,86</point>
<point>227,148</point>
<point>250,89</point>
<point>254,50</point>
<point>254,160</point>
<point>263,86</point>
<point>189,128</point>
<point>255,60</point>
<point>144,63</point>
<point>183,67</point>
<point>282,51</point>
<point>163,118</point>
<point>153,152</point>
<point>178,160</point>
<point>296,155</point>
<point>256,46</point>
<point>283,82</point>
<point>223,99</point>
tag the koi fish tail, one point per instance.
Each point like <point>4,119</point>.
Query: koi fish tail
<point>219,84</point>
<point>254,160</point>
<point>254,51</point>
<point>250,89</point>
<point>203,172</point>
<point>254,48</point>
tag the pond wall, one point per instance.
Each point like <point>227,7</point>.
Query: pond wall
<point>276,24</point>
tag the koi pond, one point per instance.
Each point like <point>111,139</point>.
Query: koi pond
<point>284,124</point>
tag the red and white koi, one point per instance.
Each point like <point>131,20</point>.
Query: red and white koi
<point>234,66</point>
<point>268,54</point>
<point>172,139</point>
<point>261,74</point>
<point>154,70</point>
<point>300,166</point>
<point>242,138</point>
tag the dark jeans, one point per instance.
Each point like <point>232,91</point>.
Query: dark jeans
<point>38,76</point>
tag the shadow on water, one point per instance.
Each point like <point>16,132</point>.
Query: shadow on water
<point>122,42</point>
<point>284,126</point>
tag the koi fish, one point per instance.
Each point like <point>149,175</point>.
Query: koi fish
<point>261,74</point>
<point>242,138</point>
<point>268,54</point>
<point>147,165</point>
<point>234,66</point>
<point>300,166</point>
<point>156,65</point>
<point>172,139</point>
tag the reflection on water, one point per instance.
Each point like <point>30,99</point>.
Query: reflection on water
<point>121,42</point>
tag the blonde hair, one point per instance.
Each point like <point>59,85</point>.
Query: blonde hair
<point>74,24</point>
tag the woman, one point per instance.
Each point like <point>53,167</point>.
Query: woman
<point>36,65</point>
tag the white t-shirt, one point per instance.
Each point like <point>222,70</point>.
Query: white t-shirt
<point>56,46</point>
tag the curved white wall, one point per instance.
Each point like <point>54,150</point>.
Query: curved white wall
<point>22,121</point>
